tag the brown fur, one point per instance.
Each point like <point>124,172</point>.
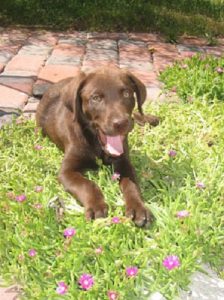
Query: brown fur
<point>73,111</point>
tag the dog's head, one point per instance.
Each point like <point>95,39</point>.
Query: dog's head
<point>105,99</point>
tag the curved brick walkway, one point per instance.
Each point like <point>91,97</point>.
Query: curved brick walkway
<point>31,60</point>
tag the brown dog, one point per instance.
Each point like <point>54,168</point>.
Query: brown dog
<point>89,117</point>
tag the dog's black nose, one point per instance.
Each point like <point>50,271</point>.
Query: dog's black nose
<point>120,124</point>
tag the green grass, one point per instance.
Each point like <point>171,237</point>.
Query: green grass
<point>172,18</point>
<point>195,130</point>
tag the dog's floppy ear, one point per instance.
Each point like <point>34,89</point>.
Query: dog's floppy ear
<point>140,90</point>
<point>70,94</point>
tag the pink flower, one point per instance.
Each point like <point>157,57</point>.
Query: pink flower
<point>115,176</point>
<point>20,198</point>
<point>38,147</point>
<point>182,214</point>
<point>115,220</point>
<point>69,232</point>
<point>38,206</point>
<point>131,271</point>
<point>38,189</point>
<point>172,153</point>
<point>200,185</point>
<point>99,250</point>
<point>86,281</point>
<point>171,262</point>
<point>112,295</point>
<point>32,252</point>
<point>219,70</point>
<point>62,288</point>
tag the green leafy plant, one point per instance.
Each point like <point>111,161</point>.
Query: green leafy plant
<point>197,77</point>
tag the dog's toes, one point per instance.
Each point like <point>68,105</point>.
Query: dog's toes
<point>141,216</point>
<point>130,213</point>
<point>99,210</point>
<point>152,120</point>
<point>143,119</point>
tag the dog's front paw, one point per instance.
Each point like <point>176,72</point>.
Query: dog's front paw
<point>139,214</point>
<point>96,210</point>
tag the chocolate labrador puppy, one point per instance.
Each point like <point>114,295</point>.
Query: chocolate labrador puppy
<point>89,117</point>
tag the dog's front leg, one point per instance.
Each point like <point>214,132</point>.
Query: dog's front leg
<point>86,191</point>
<point>135,208</point>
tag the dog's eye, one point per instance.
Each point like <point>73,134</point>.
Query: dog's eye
<point>96,98</point>
<point>126,94</point>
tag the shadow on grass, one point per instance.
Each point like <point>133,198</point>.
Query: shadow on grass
<point>171,19</point>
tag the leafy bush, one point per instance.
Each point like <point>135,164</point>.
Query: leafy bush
<point>197,77</point>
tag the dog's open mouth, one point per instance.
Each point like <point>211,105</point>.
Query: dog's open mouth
<point>113,145</point>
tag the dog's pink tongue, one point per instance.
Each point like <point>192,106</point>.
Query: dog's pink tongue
<point>114,145</point>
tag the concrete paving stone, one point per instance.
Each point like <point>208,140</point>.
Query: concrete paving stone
<point>161,64</point>
<point>45,38</point>
<point>10,48</point>
<point>33,100</point>
<point>214,50</point>
<point>155,94</point>
<point>135,53</point>
<point>102,44</point>
<point>145,37</point>
<point>107,35</point>
<point>163,49</point>
<point>148,78</point>
<point>101,54</point>
<point>72,34</point>
<point>72,41</point>
<point>27,64</point>
<point>2,66</point>
<point>11,99</point>
<point>22,84</point>
<point>5,56</point>
<point>64,60</point>
<point>30,107</point>
<point>18,35</point>
<point>54,73</point>
<point>5,118</point>
<point>189,48</point>
<point>68,50</point>
<point>133,50</point>
<point>157,296</point>
<point>204,286</point>
<point>135,64</point>
<point>129,42</point>
<point>89,65</point>
<point>40,87</point>
<point>192,41</point>
<point>40,50</point>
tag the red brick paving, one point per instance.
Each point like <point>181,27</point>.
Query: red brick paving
<point>31,60</point>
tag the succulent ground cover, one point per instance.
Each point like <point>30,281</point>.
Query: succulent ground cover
<point>53,253</point>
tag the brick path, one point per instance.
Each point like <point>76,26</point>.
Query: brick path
<point>31,60</point>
